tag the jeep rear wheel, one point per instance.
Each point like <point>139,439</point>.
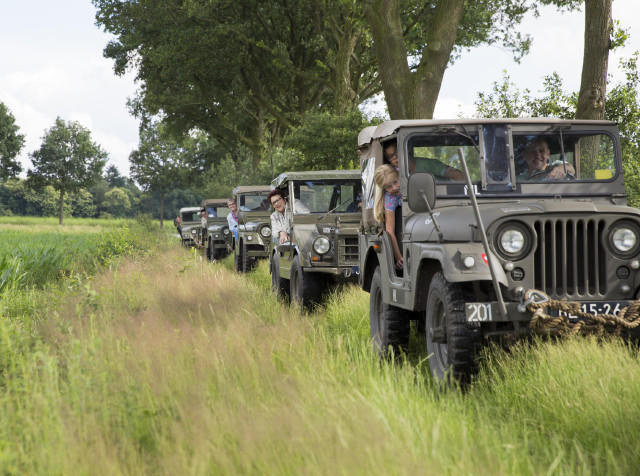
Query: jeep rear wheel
<point>306,288</point>
<point>452,342</point>
<point>388,325</point>
<point>279,285</point>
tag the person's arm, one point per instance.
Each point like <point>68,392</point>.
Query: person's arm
<point>278,231</point>
<point>390,227</point>
<point>557,170</point>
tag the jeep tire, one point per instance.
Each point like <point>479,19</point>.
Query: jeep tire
<point>306,288</point>
<point>279,285</point>
<point>388,324</point>
<point>452,342</point>
<point>237,258</point>
<point>248,262</point>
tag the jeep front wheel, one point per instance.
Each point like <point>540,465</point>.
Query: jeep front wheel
<point>237,259</point>
<point>279,285</point>
<point>306,288</point>
<point>388,325</point>
<point>452,342</point>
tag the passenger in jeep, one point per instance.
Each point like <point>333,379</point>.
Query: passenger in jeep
<point>281,217</point>
<point>232,217</point>
<point>388,198</point>
<point>537,154</point>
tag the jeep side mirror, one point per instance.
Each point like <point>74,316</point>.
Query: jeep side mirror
<point>421,191</point>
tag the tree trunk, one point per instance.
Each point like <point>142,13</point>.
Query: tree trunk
<point>412,95</point>
<point>597,31</point>
<point>161,208</point>
<point>593,86</point>
<point>61,207</point>
<point>345,95</point>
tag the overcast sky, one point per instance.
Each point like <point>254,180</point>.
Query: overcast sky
<point>51,65</point>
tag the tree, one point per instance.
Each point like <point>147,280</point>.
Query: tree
<point>416,40</point>
<point>67,160</point>
<point>597,42</point>
<point>240,70</point>
<point>326,141</point>
<point>11,144</point>
<point>113,177</point>
<point>158,162</point>
<point>116,202</point>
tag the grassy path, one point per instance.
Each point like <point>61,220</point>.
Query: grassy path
<point>171,365</point>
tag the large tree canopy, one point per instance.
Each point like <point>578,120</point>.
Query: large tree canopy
<point>11,142</point>
<point>240,68</point>
<point>67,160</point>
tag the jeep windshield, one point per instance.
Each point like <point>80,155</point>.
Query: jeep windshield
<point>256,201</point>
<point>324,196</point>
<point>515,158</point>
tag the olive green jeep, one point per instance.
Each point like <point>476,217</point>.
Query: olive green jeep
<point>254,227</point>
<point>218,240</point>
<point>537,219</point>
<point>191,225</point>
<point>323,251</point>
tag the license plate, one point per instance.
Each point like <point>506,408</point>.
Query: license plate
<point>596,307</point>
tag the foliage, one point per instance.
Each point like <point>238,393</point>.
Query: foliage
<point>325,141</point>
<point>117,202</point>
<point>273,61</point>
<point>67,160</point>
<point>11,142</point>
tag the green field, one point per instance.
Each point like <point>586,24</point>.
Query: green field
<point>163,363</point>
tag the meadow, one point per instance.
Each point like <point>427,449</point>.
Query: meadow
<point>162,363</point>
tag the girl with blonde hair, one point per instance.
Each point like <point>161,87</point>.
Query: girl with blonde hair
<point>387,199</point>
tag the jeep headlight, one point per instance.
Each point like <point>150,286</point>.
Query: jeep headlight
<point>513,241</point>
<point>194,231</point>
<point>321,245</point>
<point>225,231</point>
<point>624,238</point>
<point>265,231</point>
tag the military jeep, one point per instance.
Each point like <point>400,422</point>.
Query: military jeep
<point>481,253</point>
<point>191,225</point>
<point>323,250</point>
<point>254,226</point>
<point>218,239</point>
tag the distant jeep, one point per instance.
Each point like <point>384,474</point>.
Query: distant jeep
<point>191,225</point>
<point>537,215</point>
<point>218,240</point>
<point>254,226</point>
<point>323,250</point>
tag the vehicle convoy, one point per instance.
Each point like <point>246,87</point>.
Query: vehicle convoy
<point>191,225</point>
<point>218,240</point>
<point>538,222</point>
<point>323,250</point>
<point>254,226</point>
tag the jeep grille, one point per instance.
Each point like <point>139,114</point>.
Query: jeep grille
<point>570,259</point>
<point>348,252</point>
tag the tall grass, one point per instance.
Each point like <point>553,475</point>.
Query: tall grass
<point>171,365</point>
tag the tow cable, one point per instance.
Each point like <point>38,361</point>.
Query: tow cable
<point>538,303</point>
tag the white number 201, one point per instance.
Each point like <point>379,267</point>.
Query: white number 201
<point>479,312</point>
